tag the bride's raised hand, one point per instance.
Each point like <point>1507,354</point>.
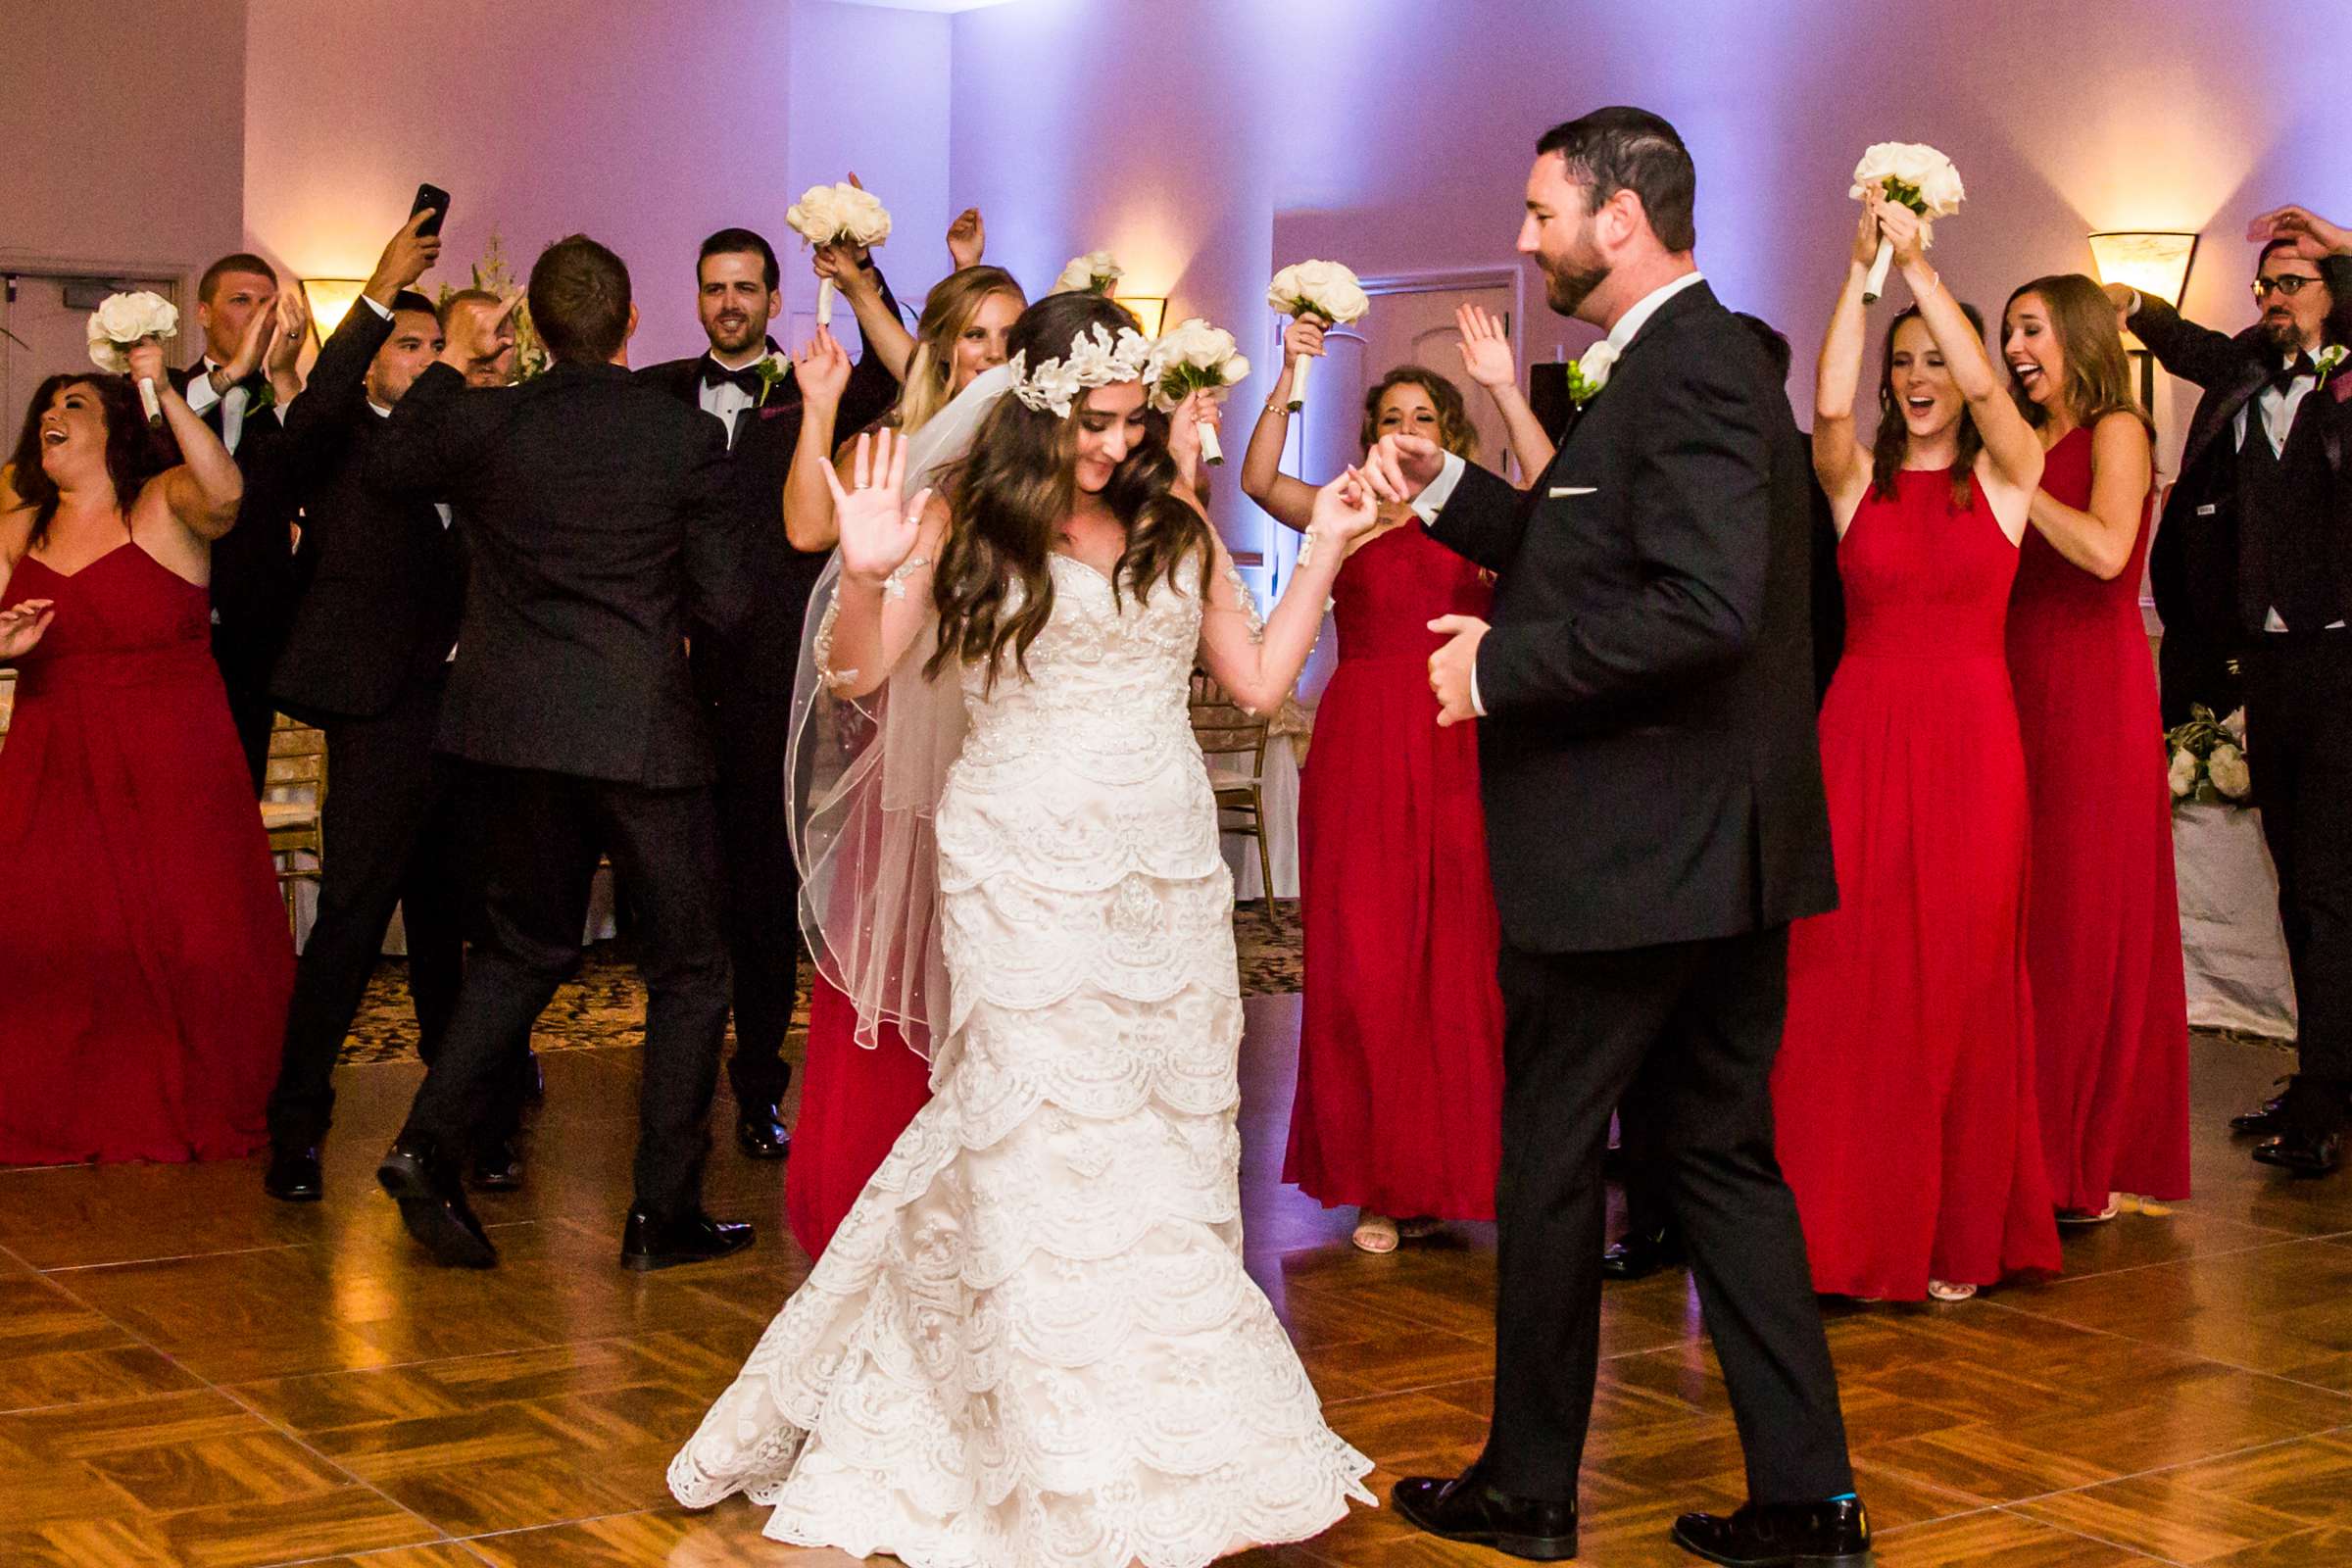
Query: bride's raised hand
<point>878,529</point>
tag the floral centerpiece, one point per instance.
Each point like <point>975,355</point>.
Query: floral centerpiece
<point>2209,759</point>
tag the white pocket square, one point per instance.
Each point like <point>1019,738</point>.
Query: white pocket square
<point>1559,492</point>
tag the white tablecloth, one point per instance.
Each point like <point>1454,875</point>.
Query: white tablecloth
<point>2232,949</point>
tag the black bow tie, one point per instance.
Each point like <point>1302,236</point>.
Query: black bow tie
<point>716,374</point>
<point>2285,379</point>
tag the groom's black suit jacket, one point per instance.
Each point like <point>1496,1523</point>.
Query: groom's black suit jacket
<point>1649,763</point>
<point>596,531</point>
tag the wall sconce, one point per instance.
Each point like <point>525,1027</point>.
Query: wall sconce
<point>330,299</point>
<point>1149,310</point>
<point>2156,263</point>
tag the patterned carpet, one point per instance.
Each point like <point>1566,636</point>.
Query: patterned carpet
<point>605,1005</point>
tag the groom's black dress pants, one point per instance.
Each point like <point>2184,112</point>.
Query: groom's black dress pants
<point>1691,1029</point>
<point>539,838</point>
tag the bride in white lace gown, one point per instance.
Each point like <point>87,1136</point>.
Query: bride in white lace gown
<point>1031,1344</point>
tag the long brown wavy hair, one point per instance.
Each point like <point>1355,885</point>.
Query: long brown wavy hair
<point>948,309</point>
<point>1009,497</point>
<point>2098,373</point>
<point>1455,433</point>
<point>132,455</point>
<point>1893,438</point>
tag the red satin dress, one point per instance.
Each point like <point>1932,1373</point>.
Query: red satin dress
<point>144,958</point>
<point>855,1103</point>
<point>1399,1101</point>
<point>2102,915</point>
<point>1904,1094</point>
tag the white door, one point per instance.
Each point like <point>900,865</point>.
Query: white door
<point>42,336</point>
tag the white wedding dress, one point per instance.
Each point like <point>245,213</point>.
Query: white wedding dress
<point>1032,1344</point>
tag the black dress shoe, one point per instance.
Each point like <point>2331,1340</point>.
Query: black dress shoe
<point>1643,1253</point>
<point>293,1175</point>
<point>2305,1153</point>
<point>1780,1535</point>
<point>760,1134</point>
<point>1467,1510</point>
<point>2263,1121</point>
<point>432,1205</point>
<point>497,1168</point>
<point>649,1243</point>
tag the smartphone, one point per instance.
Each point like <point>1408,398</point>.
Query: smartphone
<point>434,197</point>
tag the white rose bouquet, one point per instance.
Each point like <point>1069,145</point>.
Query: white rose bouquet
<point>1195,356</point>
<point>2209,759</point>
<point>1325,290</point>
<point>1915,176</point>
<point>123,320</point>
<point>1095,272</point>
<point>837,215</point>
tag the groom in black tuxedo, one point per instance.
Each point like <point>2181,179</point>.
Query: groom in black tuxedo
<point>596,531</point>
<point>743,674</point>
<point>1654,809</point>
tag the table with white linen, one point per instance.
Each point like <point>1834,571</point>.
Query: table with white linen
<point>2233,952</point>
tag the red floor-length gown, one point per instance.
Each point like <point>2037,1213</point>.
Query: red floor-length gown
<point>2102,915</point>
<point>855,1103</point>
<point>1400,1100</point>
<point>144,958</point>
<point>1904,1091</point>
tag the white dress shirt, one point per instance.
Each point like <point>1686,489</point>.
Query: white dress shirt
<point>726,401</point>
<point>1432,500</point>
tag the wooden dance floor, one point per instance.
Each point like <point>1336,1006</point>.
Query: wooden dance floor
<point>192,1374</point>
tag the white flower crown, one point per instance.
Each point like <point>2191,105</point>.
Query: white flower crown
<point>1096,359</point>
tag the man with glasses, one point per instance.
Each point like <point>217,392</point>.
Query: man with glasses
<point>2251,560</point>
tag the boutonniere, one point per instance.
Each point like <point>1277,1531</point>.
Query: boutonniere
<point>2327,361</point>
<point>772,372</point>
<point>1587,375</point>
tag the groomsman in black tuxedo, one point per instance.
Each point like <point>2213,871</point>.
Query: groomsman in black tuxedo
<point>2255,555</point>
<point>242,386</point>
<point>744,676</point>
<point>367,662</point>
<point>598,532</point>
<point>1654,804</point>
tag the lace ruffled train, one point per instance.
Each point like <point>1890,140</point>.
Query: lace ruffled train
<point>1031,1344</point>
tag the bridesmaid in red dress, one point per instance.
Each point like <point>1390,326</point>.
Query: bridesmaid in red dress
<point>143,987</point>
<point>1904,1092</point>
<point>2103,918</point>
<point>1397,1111</point>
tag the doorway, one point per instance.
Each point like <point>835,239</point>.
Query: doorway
<point>44,327</point>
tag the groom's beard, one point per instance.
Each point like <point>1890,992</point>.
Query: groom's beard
<point>1573,281</point>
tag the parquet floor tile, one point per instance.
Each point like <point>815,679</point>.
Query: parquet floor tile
<point>194,1377</point>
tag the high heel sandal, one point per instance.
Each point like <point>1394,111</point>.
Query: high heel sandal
<point>1374,1233</point>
